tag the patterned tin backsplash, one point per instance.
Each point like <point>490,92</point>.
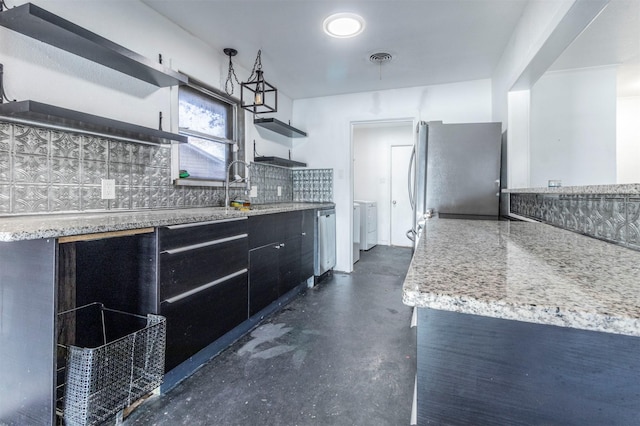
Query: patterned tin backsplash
<point>268,178</point>
<point>313,185</point>
<point>614,218</point>
<point>51,171</point>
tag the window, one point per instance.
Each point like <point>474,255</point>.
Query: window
<point>209,119</point>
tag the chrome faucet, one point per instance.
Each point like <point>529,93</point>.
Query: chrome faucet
<point>236,178</point>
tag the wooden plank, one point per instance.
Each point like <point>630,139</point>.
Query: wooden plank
<point>102,235</point>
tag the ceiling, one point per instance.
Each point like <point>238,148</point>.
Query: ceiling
<point>431,41</point>
<point>613,38</point>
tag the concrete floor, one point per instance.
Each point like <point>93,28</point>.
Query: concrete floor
<point>340,354</point>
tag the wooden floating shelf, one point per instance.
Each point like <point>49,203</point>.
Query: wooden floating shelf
<point>279,127</point>
<point>38,23</point>
<point>66,118</point>
<point>277,161</point>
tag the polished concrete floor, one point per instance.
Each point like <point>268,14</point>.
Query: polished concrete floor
<point>341,353</point>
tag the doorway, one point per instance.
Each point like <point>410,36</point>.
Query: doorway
<point>372,170</point>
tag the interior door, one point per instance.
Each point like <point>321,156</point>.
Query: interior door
<point>401,211</point>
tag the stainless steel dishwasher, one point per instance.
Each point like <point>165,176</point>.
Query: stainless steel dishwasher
<point>325,243</point>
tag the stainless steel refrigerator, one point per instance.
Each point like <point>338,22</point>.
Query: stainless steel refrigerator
<point>455,172</point>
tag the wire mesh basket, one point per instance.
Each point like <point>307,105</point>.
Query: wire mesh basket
<point>110,360</point>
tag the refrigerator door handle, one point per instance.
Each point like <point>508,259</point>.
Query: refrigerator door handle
<point>411,234</point>
<point>409,178</point>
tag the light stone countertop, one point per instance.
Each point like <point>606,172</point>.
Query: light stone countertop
<point>617,189</point>
<point>524,271</point>
<point>16,228</point>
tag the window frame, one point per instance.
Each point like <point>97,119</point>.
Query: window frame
<point>237,131</point>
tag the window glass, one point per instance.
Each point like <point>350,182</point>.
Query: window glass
<point>208,122</point>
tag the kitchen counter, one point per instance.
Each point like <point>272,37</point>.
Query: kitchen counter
<point>17,228</point>
<point>529,272</point>
<point>617,189</point>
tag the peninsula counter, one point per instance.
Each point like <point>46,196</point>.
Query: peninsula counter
<point>524,323</point>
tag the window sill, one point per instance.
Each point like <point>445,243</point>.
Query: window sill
<point>211,183</point>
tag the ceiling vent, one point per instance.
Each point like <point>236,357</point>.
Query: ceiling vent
<point>380,57</point>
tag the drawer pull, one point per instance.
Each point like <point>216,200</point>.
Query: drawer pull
<point>205,286</point>
<point>205,244</point>
<point>211,222</point>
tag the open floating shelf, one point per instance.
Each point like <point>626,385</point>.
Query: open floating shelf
<point>277,161</point>
<point>66,118</point>
<point>279,127</point>
<point>35,22</point>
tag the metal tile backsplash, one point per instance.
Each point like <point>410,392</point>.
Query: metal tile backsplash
<point>313,185</point>
<point>51,171</point>
<point>613,218</point>
<point>268,178</point>
<point>298,185</point>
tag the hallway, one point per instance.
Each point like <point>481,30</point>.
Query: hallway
<point>340,354</point>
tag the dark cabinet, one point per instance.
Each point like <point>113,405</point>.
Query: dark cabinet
<point>307,244</point>
<point>264,276</point>
<point>197,320</point>
<point>289,266</point>
<point>203,283</point>
<point>280,256</point>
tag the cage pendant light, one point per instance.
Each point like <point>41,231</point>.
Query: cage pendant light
<point>256,95</point>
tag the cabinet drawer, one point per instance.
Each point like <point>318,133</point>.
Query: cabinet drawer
<point>195,321</point>
<point>177,236</point>
<point>183,271</point>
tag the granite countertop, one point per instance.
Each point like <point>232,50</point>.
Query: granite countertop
<point>618,189</point>
<point>524,271</point>
<point>16,228</point>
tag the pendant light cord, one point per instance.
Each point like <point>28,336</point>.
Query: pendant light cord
<point>231,76</point>
<point>257,65</point>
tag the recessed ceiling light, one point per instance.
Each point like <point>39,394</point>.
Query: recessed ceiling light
<point>343,25</point>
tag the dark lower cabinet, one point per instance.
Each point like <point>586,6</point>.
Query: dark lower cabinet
<point>203,284</point>
<point>264,276</point>
<point>214,275</point>
<point>196,321</point>
<point>184,270</point>
<point>307,243</point>
<point>280,256</point>
<point>289,264</point>
<point>476,370</point>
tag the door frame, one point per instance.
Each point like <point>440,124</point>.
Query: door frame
<point>353,122</point>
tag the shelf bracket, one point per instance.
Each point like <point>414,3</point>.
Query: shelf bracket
<point>3,95</point>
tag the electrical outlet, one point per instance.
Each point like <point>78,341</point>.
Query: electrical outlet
<point>108,189</point>
<point>254,191</point>
<point>279,191</point>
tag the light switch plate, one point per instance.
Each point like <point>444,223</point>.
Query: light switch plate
<point>108,189</point>
<point>279,191</point>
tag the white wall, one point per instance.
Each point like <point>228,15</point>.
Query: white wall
<point>535,26</point>
<point>628,140</point>
<point>543,32</point>
<point>37,71</point>
<point>328,122</point>
<point>372,168</point>
<point>573,127</point>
